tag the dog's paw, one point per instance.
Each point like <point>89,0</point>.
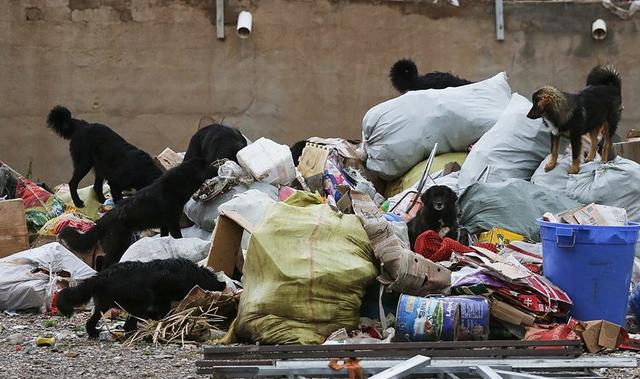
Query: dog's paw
<point>573,169</point>
<point>550,166</point>
<point>79,204</point>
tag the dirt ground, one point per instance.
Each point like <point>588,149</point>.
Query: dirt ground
<point>75,356</point>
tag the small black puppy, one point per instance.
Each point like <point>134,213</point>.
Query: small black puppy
<point>439,212</point>
<point>145,290</point>
<point>404,77</point>
<point>214,142</point>
<point>156,206</point>
<point>598,107</point>
<point>96,146</point>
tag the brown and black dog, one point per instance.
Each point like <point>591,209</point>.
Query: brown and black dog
<point>597,107</point>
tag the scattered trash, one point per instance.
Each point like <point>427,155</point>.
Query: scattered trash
<point>45,341</point>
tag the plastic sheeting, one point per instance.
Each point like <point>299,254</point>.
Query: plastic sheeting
<point>513,205</point>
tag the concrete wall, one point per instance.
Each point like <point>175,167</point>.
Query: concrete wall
<point>152,68</point>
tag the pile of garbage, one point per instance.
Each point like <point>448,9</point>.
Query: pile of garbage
<point>325,248</point>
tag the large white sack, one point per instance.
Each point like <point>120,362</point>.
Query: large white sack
<point>150,248</point>
<point>615,183</point>
<point>21,288</point>
<point>557,178</point>
<point>401,132</point>
<point>512,149</point>
<point>204,214</point>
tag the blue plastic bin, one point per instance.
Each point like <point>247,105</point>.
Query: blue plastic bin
<point>593,265</point>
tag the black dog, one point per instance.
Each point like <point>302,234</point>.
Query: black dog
<point>144,290</point>
<point>96,146</point>
<point>158,205</point>
<point>404,77</point>
<point>439,213</point>
<point>296,151</point>
<point>214,142</point>
<point>597,107</point>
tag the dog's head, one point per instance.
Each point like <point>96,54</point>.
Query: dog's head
<point>64,303</point>
<point>439,200</point>
<point>544,100</point>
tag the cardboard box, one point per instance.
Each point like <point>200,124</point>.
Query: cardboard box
<point>167,159</point>
<point>312,164</point>
<point>629,149</point>
<point>500,237</point>
<point>226,242</point>
<point>14,236</point>
<point>601,335</point>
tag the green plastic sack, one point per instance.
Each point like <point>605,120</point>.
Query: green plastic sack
<point>305,274</point>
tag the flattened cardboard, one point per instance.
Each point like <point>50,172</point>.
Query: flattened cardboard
<point>505,312</point>
<point>401,269</point>
<point>226,241</point>
<point>167,159</point>
<point>14,235</point>
<point>596,214</point>
<point>601,335</point>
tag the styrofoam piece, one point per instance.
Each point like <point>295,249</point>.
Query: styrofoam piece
<point>268,162</point>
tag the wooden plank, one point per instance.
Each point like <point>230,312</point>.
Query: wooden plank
<point>388,346</point>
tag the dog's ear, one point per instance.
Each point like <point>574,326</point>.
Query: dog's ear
<point>453,196</point>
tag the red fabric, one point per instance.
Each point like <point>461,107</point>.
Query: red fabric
<point>76,223</point>
<point>431,246</point>
<point>549,332</point>
<point>32,195</point>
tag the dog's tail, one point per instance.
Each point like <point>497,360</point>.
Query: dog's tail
<point>80,241</point>
<point>604,75</point>
<point>404,75</point>
<point>60,121</point>
<point>71,297</point>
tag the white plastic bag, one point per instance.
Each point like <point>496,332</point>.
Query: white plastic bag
<point>22,286</point>
<point>401,132</point>
<point>512,149</point>
<point>614,183</point>
<point>150,248</point>
<point>557,178</point>
<point>204,214</point>
<point>268,162</point>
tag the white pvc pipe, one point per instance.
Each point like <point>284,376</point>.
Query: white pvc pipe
<point>244,24</point>
<point>599,29</point>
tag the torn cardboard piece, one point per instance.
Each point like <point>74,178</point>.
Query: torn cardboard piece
<point>601,335</point>
<point>14,235</point>
<point>167,159</point>
<point>402,270</point>
<point>226,241</point>
<point>594,214</point>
